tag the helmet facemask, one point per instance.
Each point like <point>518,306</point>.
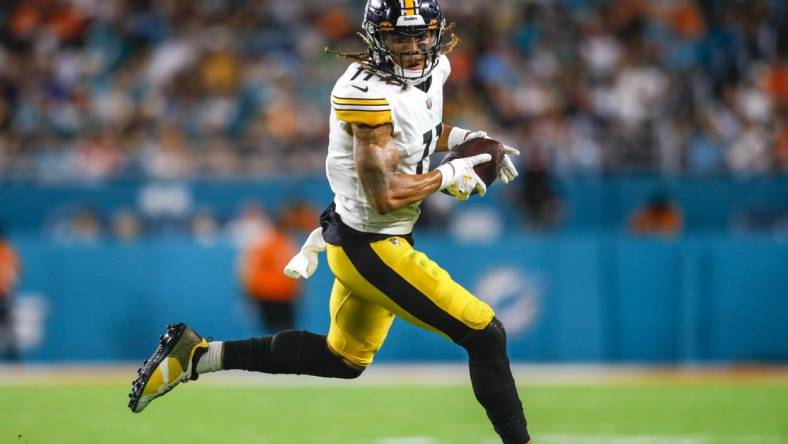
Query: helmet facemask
<point>396,50</point>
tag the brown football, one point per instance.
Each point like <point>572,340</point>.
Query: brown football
<point>487,171</point>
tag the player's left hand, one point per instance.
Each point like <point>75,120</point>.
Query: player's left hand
<point>508,172</point>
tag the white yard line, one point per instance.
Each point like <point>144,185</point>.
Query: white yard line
<point>407,440</point>
<point>432,374</point>
<point>566,438</point>
<point>636,439</point>
<point>655,439</point>
<point>607,439</point>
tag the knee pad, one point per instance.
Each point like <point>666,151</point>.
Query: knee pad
<point>302,352</point>
<point>488,344</point>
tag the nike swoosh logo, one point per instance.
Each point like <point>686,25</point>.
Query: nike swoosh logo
<point>364,89</point>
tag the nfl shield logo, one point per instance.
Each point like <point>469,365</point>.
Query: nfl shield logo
<point>429,103</point>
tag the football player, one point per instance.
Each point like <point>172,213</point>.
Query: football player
<point>386,119</point>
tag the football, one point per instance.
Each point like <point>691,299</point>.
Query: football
<point>487,171</point>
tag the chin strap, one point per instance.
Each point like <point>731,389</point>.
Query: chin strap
<point>304,264</point>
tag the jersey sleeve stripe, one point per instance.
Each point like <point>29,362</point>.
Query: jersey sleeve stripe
<point>362,108</point>
<point>364,102</point>
<point>365,117</point>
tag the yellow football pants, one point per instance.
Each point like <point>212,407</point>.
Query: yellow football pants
<point>379,280</point>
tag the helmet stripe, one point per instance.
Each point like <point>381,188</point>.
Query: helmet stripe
<point>409,7</point>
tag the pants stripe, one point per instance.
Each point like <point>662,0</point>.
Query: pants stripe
<point>399,290</point>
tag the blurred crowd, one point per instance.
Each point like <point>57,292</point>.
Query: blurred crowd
<point>99,89</point>
<point>83,224</point>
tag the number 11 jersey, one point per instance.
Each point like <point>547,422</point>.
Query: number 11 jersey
<point>364,98</point>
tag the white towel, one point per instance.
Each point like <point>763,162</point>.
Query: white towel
<point>304,264</point>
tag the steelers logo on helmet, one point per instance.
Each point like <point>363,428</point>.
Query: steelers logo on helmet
<point>404,37</point>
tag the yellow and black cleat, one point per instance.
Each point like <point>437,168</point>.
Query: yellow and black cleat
<point>173,362</point>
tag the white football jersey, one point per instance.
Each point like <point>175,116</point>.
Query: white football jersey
<point>361,97</point>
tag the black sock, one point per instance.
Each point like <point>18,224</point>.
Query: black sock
<point>493,384</point>
<point>495,390</point>
<point>289,352</point>
<point>253,354</point>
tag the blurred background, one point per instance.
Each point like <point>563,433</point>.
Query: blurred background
<point>148,148</point>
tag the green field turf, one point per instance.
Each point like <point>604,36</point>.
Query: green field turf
<point>646,413</point>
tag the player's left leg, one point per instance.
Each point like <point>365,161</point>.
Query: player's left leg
<point>392,274</point>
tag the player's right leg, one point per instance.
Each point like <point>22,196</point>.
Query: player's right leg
<point>182,355</point>
<point>173,362</point>
<point>357,331</point>
<point>358,328</point>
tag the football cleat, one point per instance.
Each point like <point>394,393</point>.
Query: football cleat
<point>173,362</point>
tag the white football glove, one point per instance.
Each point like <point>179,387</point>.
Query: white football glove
<point>459,135</point>
<point>459,179</point>
<point>508,172</point>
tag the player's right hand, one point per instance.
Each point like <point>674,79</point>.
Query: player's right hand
<point>459,179</point>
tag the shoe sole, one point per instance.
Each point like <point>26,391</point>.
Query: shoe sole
<point>167,342</point>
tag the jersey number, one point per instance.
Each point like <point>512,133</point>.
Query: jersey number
<point>358,73</point>
<point>427,140</point>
